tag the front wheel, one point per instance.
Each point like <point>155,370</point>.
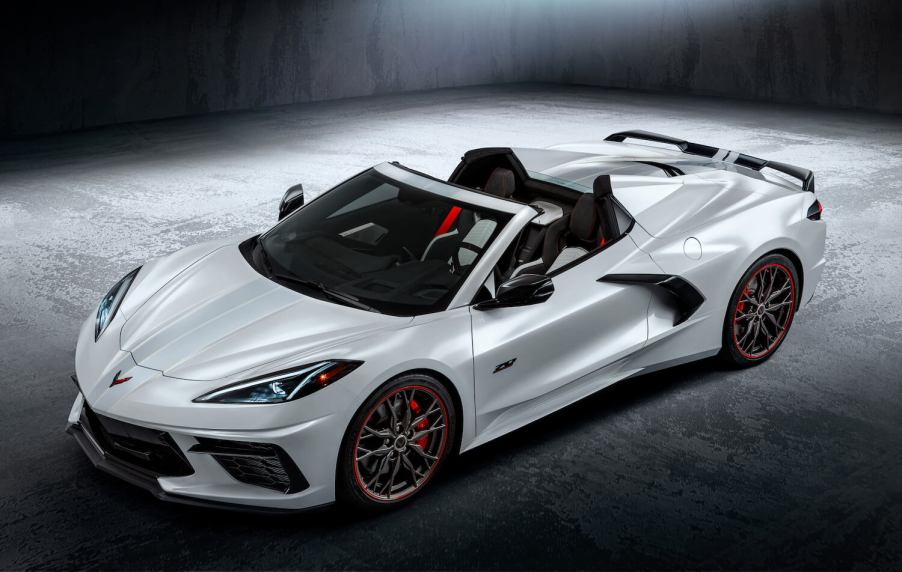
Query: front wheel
<point>396,443</point>
<point>761,311</point>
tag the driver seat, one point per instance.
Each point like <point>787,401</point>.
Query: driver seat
<point>476,232</point>
<point>463,227</point>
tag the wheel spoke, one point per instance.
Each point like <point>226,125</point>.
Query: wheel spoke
<point>745,336</point>
<point>420,434</point>
<point>408,412</point>
<point>380,452</point>
<point>419,451</point>
<point>413,470</point>
<point>372,483</point>
<point>384,434</point>
<point>432,409</point>
<point>784,290</point>
<point>772,320</point>
<point>771,284</point>
<point>393,414</point>
<point>391,480</point>
<point>755,329</point>
<point>767,334</point>
<point>777,306</point>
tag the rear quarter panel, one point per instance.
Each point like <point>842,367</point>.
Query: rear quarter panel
<point>729,246</point>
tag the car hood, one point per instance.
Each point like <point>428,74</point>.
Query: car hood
<point>219,317</point>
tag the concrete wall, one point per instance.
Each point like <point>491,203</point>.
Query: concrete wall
<point>838,53</point>
<point>87,64</point>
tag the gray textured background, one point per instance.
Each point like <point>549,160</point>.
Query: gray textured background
<point>77,65</point>
<point>793,464</point>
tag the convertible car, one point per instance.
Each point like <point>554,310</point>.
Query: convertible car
<point>398,319</point>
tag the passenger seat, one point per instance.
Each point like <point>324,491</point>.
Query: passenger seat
<point>501,183</point>
<point>573,236</point>
<point>591,222</point>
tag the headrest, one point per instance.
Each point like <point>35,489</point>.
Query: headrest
<point>584,218</point>
<point>501,183</point>
<point>602,188</point>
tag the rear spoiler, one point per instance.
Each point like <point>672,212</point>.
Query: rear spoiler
<point>805,176</point>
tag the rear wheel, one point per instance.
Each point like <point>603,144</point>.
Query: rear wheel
<point>761,311</point>
<point>396,443</point>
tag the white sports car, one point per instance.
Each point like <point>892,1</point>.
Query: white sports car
<point>399,319</point>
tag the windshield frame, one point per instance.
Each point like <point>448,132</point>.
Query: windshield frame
<point>518,215</point>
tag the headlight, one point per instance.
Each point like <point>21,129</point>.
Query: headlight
<point>284,385</point>
<point>111,302</point>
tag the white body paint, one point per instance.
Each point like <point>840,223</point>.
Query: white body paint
<point>202,318</point>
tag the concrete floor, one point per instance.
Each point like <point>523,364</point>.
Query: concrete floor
<point>793,464</point>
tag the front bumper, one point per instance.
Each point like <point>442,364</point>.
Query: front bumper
<point>197,468</point>
<point>122,471</point>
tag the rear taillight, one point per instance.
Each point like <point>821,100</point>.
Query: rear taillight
<point>815,211</point>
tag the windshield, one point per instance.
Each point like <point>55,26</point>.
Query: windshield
<point>381,245</point>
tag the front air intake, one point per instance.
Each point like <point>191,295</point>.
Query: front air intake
<point>149,451</point>
<point>259,464</point>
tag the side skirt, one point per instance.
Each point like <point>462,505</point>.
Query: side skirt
<point>573,392</point>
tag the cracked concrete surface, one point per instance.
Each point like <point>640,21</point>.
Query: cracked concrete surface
<point>793,464</point>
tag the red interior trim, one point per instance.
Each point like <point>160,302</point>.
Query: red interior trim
<point>449,220</point>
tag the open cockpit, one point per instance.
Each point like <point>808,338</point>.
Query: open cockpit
<point>572,221</point>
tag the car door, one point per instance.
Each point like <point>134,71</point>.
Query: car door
<point>530,360</point>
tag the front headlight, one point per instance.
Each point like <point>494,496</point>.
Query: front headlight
<point>284,385</point>
<point>111,302</point>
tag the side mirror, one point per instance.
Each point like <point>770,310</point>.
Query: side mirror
<point>292,200</point>
<point>523,290</point>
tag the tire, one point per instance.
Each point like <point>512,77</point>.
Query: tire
<point>396,444</point>
<point>753,331</point>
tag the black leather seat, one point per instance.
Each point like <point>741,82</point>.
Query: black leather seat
<point>501,183</point>
<point>572,236</point>
<point>604,201</point>
<point>591,223</point>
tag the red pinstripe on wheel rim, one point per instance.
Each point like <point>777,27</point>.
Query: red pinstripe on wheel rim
<point>764,311</point>
<point>400,443</point>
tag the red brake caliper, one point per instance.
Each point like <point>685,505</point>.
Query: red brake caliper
<point>424,440</point>
<point>740,307</point>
